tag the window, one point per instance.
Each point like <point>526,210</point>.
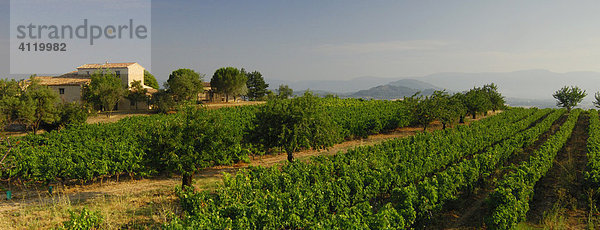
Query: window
<point>61,91</point>
<point>88,72</point>
<point>132,103</point>
<point>118,73</point>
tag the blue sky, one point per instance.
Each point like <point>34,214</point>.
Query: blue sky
<point>295,40</point>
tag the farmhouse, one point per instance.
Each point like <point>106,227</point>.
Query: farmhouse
<point>70,85</point>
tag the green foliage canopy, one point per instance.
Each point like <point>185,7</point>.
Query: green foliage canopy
<point>184,85</point>
<point>229,81</point>
<point>10,102</point>
<point>38,105</point>
<point>284,92</point>
<point>104,91</point>
<point>496,99</point>
<point>448,109</point>
<point>194,141</point>
<point>569,97</point>
<point>476,101</point>
<point>257,88</point>
<point>150,80</point>
<point>298,123</point>
<point>163,101</point>
<point>137,93</point>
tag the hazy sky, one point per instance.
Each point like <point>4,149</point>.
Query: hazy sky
<point>337,39</point>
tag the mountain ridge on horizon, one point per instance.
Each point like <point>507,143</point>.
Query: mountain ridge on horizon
<point>536,84</point>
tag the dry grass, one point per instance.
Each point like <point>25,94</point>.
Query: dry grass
<point>144,210</point>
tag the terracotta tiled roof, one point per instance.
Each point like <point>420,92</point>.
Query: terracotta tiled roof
<point>106,65</point>
<point>206,84</point>
<point>72,74</point>
<point>151,91</point>
<point>63,80</point>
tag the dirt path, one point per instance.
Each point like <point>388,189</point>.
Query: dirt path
<point>208,178</point>
<point>469,210</point>
<point>560,200</point>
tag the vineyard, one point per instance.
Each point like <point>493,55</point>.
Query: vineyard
<point>128,147</point>
<point>499,172</point>
<point>402,183</point>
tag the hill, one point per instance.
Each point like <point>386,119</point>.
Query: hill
<point>393,90</point>
<point>389,92</point>
<point>336,86</point>
<point>414,84</point>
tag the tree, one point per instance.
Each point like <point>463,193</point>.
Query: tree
<point>163,101</point>
<point>459,100</point>
<point>39,105</point>
<point>425,111</point>
<point>569,97</point>
<point>447,109</point>
<point>496,99</point>
<point>229,81</point>
<point>476,101</point>
<point>301,122</point>
<point>104,91</point>
<point>597,102</point>
<point>194,140</point>
<point>257,88</point>
<point>68,114</point>
<point>184,85</point>
<point>412,103</point>
<point>10,101</point>
<point>150,80</point>
<point>270,95</point>
<point>284,92</point>
<point>137,93</point>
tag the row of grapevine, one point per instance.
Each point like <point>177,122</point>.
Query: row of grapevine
<point>510,200</point>
<point>424,157</point>
<point>88,152</point>
<point>348,191</point>
<point>359,119</point>
<point>592,174</point>
<point>92,151</point>
<point>420,200</point>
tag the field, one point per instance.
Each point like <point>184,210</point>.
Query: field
<point>520,168</point>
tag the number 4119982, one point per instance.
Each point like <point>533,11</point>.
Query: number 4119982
<point>42,46</point>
